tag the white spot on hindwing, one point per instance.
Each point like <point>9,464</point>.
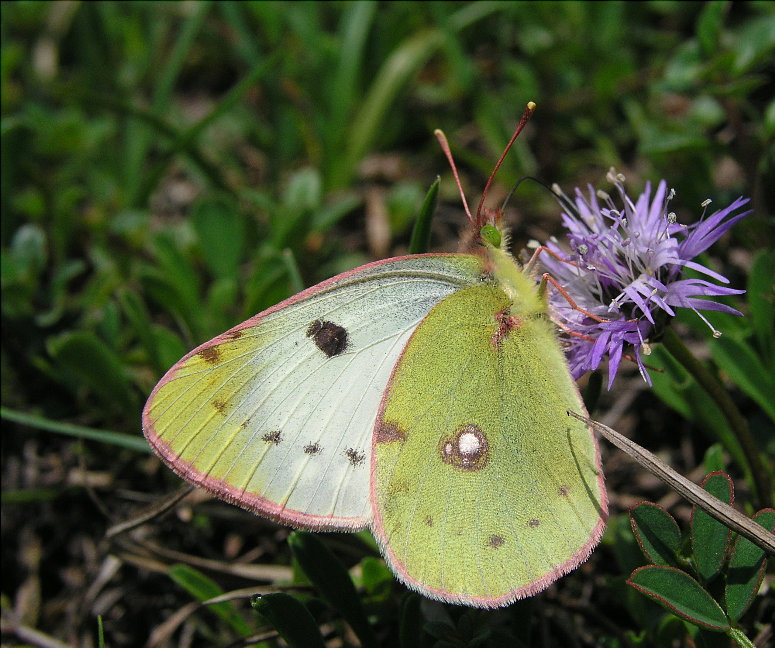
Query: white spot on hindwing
<point>467,448</point>
<point>469,445</point>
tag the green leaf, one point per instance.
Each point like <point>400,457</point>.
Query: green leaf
<point>87,361</point>
<point>292,267</point>
<point>678,592</point>
<point>135,311</point>
<point>710,537</point>
<point>746,369</point>
<point>755,41</point>
<point>29,251</point>
<point>174,284</point>
<point>681,392</point>
<point>203,588</point>
<point>221,230</point>
<point>329,575</point>
<point>304,191</point>
<point>657,533</point>
<point>714,458</point>
<point>326,216</point>
<point>377,578</point>
<point>421,233</point>
<point>762,302</point>
<point>619,535</point>
<point>410,622</point>
<point>119,439</point>
<point>396,70</point>
<point>291,619</point>
<point>746,569</point>
<point>709,26</point>
<point>222,295</point>
<point>171,347</point>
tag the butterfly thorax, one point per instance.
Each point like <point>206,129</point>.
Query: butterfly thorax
<point>519,287</point>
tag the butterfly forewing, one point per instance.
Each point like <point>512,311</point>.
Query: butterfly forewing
<point>488,491</point>
<point>277,414</point>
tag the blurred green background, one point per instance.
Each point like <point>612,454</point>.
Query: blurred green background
<point>171,168</point>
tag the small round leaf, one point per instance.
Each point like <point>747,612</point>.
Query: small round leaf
<point>681,594</point>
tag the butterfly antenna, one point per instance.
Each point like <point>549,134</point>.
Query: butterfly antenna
<point>557,193</point>
<point>524,119</point>
<point>519,182</point>
<point>445,147</point>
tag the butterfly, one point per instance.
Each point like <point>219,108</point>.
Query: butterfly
<point>423,397</point>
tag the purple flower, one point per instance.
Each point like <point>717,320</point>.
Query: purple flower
<point>625,268</point>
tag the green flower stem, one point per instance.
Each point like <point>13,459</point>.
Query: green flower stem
<point>737,423</point>
<point>740,639</point>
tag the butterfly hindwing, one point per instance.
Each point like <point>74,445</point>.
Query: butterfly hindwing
<point>483,489</point>
<point>276,415</point>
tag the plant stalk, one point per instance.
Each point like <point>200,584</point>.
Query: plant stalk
<point>721,511</point>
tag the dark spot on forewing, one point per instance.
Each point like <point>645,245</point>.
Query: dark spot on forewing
<point>428,521</point>
<point>495,541</point>
<point>210,355</point>
<point>312,448</point>
<point>533,523</point>
<point>235,335</point>
<point>355,457</point>
<point>330,338</point>
<point>389,433</point>
<point>467,448</point>
<point>563,490</point>
<point>273,437</point>
<point>220,406</point>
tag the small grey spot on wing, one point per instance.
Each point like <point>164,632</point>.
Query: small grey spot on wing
<point>312,448</point>
<point>355,457</point>
<point>273,437</point>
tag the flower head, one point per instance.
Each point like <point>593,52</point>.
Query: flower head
<point>626,267</point>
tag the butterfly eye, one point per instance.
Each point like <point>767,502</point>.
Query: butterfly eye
<point>491,234</point>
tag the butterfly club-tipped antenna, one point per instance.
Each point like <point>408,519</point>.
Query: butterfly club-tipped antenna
<point>445,147</point>
<point>529,109</point>
<point>480,220</point>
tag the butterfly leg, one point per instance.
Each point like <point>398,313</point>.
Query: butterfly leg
<point>547,278</point>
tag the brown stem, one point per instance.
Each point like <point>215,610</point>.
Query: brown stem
<point>697,495</point>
